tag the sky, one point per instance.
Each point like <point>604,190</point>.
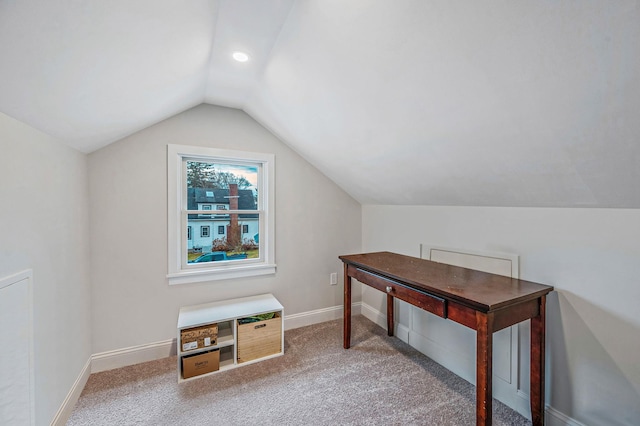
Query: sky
<point>250,173</point>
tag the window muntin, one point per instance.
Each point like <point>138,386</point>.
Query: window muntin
<point>238,186</point>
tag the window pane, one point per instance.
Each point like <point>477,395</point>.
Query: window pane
<point>211,243</point>
<point>219,186</point>
<point>206,247</point>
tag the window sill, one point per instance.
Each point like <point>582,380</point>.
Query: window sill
<point>186,277</point>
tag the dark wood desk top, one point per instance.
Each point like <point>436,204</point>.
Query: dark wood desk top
<point>478,290</point>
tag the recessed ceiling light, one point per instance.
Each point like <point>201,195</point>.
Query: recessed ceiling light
<point>240,56</point>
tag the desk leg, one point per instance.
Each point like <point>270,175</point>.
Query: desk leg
<point>390,325</point>
<point>537,365</point>
<point>347,310</point>
<point>484,368</point>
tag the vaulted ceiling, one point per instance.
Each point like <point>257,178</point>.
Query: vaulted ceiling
<point>421,102</point>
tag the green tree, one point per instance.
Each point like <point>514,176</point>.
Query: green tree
<point>200,175</point>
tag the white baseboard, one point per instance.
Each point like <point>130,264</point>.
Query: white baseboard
<point>553,417</point>
<point>400,331</point>
<point>373,314</point>
<point>317,316</point>
<point>556,418</point>
<point>65,410</point>
<point>133,355</point>
<point>149,352</point>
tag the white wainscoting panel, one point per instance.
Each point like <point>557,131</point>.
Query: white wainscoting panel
<point>16,357</point>
<point>454,345</point>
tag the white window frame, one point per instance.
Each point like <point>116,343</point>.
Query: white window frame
<point>179,271</point>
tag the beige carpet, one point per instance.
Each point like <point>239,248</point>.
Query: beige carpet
<point>379,381</point>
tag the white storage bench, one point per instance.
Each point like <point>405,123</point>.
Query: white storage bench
<point>218,336</point>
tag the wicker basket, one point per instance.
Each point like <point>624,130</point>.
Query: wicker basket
<point>259,339</point>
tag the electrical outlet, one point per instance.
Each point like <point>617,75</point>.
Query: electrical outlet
<point>333,278</point>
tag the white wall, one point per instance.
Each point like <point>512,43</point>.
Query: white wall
<point>44,226</point>
<point>132,301</point>
<point>590,256</point>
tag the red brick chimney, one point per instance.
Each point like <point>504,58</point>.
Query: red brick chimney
<point>233,230</point>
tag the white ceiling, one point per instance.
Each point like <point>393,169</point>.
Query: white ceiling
<point>449,102</point>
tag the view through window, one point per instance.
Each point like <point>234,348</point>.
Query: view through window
<point>229,195</point>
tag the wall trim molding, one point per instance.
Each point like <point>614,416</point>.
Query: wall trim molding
<point>117,358</point>
<point>151,351</point>
<point>142,353</point>
<point>372,314</point>
<point>553,417</point>
<point>557,418</point>
<point>16,280</point>
<point>65,410</point>
<point>318,315</point>
<point>109,360</point>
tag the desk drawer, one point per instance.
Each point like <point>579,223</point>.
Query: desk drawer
<point>434,304</point>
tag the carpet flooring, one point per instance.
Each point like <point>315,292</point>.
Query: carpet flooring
<point>379,381</point>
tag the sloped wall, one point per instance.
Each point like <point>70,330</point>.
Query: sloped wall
<point>132,302</point>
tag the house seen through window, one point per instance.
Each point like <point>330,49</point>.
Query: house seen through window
<point>235,238</point>
<point>232,188</point>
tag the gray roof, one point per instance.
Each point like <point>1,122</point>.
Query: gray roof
<point>195,196</point>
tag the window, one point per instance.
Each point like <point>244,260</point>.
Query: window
<point>240,184</point>
<point>206,207</point>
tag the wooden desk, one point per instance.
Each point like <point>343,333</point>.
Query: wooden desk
<point>484,302</point>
